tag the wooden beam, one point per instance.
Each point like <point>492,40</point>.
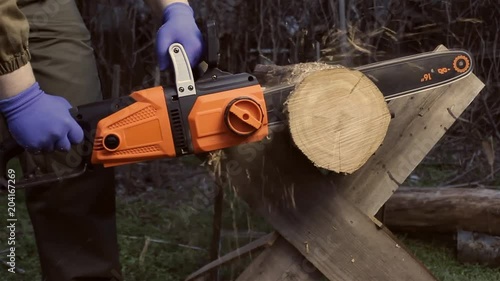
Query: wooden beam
<point>265,241</point>
<point>271,265</point>
<point>304,207</point>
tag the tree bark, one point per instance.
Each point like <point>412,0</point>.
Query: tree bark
<point>337,116</point>
<point>443,210</point>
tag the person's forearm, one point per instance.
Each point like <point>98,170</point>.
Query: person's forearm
<point>17,81</point>
<point>159,5</point>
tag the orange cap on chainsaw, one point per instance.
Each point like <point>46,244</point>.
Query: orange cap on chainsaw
<point>244,116</point>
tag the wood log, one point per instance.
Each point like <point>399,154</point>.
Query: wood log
<point>443,210</point>
<point>337,116</point>
<point>478,248</point>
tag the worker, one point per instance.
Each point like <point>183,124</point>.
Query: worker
<point>47,65</point>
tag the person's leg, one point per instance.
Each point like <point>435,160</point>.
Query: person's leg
<point>74,221</point>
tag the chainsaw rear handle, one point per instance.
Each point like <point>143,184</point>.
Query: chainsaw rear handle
<point>87,116</point>
<point>9,149</point>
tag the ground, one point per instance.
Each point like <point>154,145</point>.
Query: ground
<point>175,217</point>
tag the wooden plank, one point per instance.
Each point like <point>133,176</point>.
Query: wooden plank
<point>266,241</point>
<point>418,124</point>
<point>303,206</point>
<point>270,265</point>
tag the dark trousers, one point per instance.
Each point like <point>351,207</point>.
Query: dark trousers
<point>74,220</point>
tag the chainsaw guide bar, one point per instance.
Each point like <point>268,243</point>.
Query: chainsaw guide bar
<point>395,78</point>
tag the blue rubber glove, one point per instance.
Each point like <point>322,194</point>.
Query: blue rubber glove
<point>179,26</point>
<point>41,122</point>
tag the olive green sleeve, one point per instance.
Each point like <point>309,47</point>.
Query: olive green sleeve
<point>14,34</point>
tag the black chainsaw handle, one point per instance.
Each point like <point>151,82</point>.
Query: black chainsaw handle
<point>9,149</point>
<point>87,116</point>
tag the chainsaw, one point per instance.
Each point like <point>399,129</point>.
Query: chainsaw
<point>217,110</point>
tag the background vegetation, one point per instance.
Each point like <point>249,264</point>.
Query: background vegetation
<point>175,213</point>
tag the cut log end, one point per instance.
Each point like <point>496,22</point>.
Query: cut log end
<point>338,118</point>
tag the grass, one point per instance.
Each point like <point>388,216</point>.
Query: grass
<point>179,229</point>
<point>441,262</point>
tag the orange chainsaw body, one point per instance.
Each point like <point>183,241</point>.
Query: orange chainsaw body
<point>228,119</point>
<point>142,130</point>
<point>152,128</point>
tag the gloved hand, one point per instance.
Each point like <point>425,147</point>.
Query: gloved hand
<point>41,122</point>
<point>179,26</point>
